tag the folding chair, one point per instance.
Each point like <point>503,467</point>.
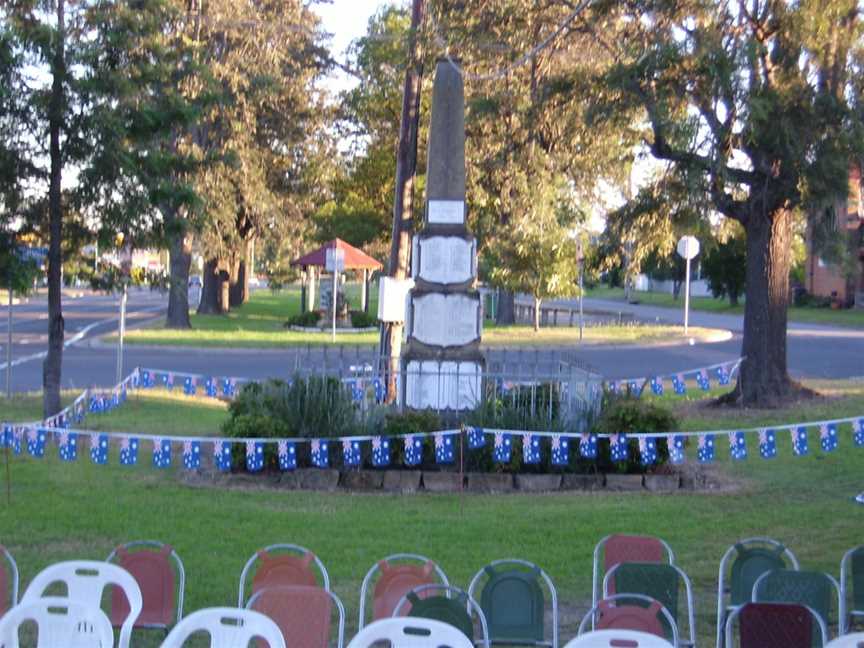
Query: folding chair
<point>153,565</point>
<point>445,608</point>
<point>816,590</point>
<point>400,573</point>
<point>513,602</point>
<point>410,632</point>
<point>227,627</point>
<point>852,573</point>
<point>619,548</point>
<point>302,613</point>
<point>291,566</point>
<point>774,624</point>
<point>644,615</point>
<point>59,622</point>
<point>8,583</point>
<point>618,639</point>
<point>658,581</point>
<point>85,582</point>
<point>749,558</point>
<point>855,640</point>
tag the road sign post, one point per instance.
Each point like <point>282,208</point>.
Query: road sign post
<point>335,263</point>
<point>688,248</point>
<point>125,274</point>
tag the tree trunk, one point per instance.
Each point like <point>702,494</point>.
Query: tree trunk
<point>733,298</point>
<point>537,303</point>
<point>239,293</point>
<point>53,363</point>
<point>506,313</point>
<point>764,379</point>
<point>180,246</point>
<point>210,289</point>
<point>224,291</point>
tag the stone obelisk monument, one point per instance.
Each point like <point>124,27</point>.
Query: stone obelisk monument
<point>442,362</point>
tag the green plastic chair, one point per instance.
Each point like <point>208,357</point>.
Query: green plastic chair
<point>657,581</point>
<point>815,590</point>
<point>852,573</point>
<point>452,606</point>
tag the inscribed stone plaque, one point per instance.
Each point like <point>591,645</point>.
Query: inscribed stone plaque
<point>445,320</point>
<point>446,212</point>
<point>444,385</point>
<point>444,259</point>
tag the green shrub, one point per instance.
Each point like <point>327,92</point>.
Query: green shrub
<point>359,319</point>
<point>307,319</point>
<point>632,415</point>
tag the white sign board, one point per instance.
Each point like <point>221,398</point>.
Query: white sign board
<point>446,212</point>
<point>445,320</point>
<point>442,385</point>
<point>393,298</point>
<point>443,259</point>
<point>335,260</point>
<point>688,247</point>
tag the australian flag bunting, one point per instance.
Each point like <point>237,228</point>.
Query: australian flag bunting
<point>320,453</point>
<point>767,444</point>
<point>530,449</point>
<point>413,454</point>
<point>191,455</point>
<point>287,454</point>
<point>675,445</point>
<point>702,380</point>
<point>6,438</point>
<point>128,451</point>
<point>380,392</point>
<point>68,446</point>
<point>588,445</point>
<point>189,385</point>
<point>722,375</point>
<point>858,433</point>
<point>738,445</point>
<point>647,450</point>
<point>167,380</point>
<point>635,387</point>
<point>350,452</point>
<point>705,448</point>
<point>355,387</point>
<point>146,379</point>
<point>229,387</point>
<point>222,455</point>
<point>36,442</point>
<point>612,387</point>
<point>380,451</point>
<point>501,448</point>
<point>99,449</point>
<point>618,447</point>
<point>679,385</point>
<point>657,385</point>
<point>828,437</point>
<point>254,456</point>
<point>161,453</point>
<point>444,453</point>
<point>560,450</point>
<point>210,387</point>
<point>476,438</point>
<point>15,441</point>
<point>800,447</point>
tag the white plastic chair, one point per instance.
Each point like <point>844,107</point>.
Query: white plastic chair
<point>227,627</point>
<point>411,632</point>
<point>855,640</point>
<point>61,624</point>
<point>628,638</point>
<point>86,581</point>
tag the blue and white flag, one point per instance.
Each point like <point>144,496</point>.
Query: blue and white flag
<point>501,448</point>
<point>229,387</point>
<point>287,455</point>
<point>254,456</point>
<point>858,433</point>
<point>588,445</point>
<point>767,444</point>
<point>16,442</point>
<point>444,453</point>
<point>702,379</point>
<point>36,442</point>
<point>722,375</point>
<point>705,448</point>
<point>161,453</point>
<point>96,404</point>
<point>128,451</point>
<point>675,445</point>
<point>476,437</point>
<point>560,450</point>
<point>828,437</point>
<point>191,455</point>
<point>350,452</point>
<point>320,453</point>
<point>647,450</point>
<point>210,387</point>
<point>530,449</point>
<point>6,438</point>
<point>679,384</point>
<point>380,451</point>
<point>800,446</point>
<point>189,386</point>
<point>380,391</point>
<point>147,379</point>
<point>635,387</point>
<point>167,380</point>
<point>222,455</point>
<point>612,386</point>
<point>68,446</point>
<point>619,447</point>
<point>657,385</point>
<point>738,445</point>
<point>413,450</point>
<point>99,449</point>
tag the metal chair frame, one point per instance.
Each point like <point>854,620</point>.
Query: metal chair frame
<point>553,593</point>
<point>367,579</point>
<point>284,546</point>
<point>639,597</point>
<point>449,590</point>
<point>846,615</point>
<point>688,589</point>
<point>756,599</point>
<point>181,571</point>
<point>340,640</point>
<point>13,570</point>
<point>597,577</point>
<point>722,608</point>
<point>736,611</point>
<point>855,640</point>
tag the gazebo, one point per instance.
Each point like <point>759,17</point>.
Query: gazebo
<point>355,259</point>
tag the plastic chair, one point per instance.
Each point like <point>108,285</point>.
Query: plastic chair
<point>227,627</point>
<point>813,589</point>
<point>61,623</point>
<point>774,624</point>
<point>293,567</point>
<point>85,582</point>
<point>513,602</point>
<point>151,567</point>
<point>443,607</point>
<point>302,614</point>
<point>619,548</point>
<point>410,632</point>
<point>855,640</point>
<point>617,639</point>
<point>657,581</point>
<point>8,590</point>
<point>645,615</point>
<point>852,569</point>
<point>410,571</point>
<point>750,558</point>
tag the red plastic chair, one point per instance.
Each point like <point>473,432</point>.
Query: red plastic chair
<point>150,563</point>
<point>619,548</point>
<point>774,624</point>
<point>8,583</point>
<point>641,614</point>
<point>303,614</point>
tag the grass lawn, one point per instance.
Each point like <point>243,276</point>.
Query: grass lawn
<point>519,335</point>
<point>78,510</point>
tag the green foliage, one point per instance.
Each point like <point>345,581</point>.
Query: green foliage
<point>626,414</point>
<point>725,268</point>
<point>359,319</point>
<point>307,319</point>
<point>14,272</point>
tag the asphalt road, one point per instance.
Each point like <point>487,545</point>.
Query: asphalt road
<point>814,351</point>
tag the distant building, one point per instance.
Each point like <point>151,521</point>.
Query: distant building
<point>827,280</point>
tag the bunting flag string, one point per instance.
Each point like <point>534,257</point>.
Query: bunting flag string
<point>722,372</point>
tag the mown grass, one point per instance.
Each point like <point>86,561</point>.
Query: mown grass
<point>518,335</point>
<point>78,510</point>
